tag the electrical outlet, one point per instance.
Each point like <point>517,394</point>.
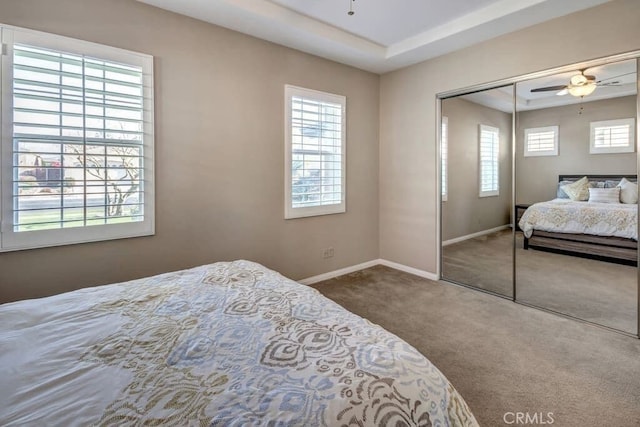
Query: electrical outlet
<point>327,253</point>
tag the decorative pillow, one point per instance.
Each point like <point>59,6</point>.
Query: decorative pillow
<point>578,190</point>
<point>628,191</point>
<point>560,194</point>
<point>604,195</point>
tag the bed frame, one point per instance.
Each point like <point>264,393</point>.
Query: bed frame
<point>610,249</point>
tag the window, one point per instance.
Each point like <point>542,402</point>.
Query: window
<point>77,141</point>
<point>541,141</point>
<point>489,156</point>
<point>314,153</point>
<point>612,136</point>
<point>444,153</point>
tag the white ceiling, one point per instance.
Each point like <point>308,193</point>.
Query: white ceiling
<point>382,35</point>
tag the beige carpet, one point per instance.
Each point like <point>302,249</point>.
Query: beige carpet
<point>502,356</point>
<point>597,291</point>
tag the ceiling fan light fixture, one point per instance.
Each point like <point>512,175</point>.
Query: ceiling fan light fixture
<point>581,89</point>
<point>579,80</point>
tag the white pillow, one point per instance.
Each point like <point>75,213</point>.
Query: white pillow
<point>604,195</point>
<point>628,191</point>
<point>579,190</point>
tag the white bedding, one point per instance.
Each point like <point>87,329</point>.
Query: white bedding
<point>226,344</point>
<point>567,216</point>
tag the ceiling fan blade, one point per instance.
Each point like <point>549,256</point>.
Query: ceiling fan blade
<point>615,77</point>
<point>563,92</point>
<point>614,83</point>
<point>549,88</point>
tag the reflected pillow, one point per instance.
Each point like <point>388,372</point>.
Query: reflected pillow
<point>579,190</point>
<point>604,195</point>
<point>628,191</point>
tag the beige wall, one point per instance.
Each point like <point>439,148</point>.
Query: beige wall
<point>219,153</point>
<point>537,177</point>
<point>408,186</point>
<point>465,212</point>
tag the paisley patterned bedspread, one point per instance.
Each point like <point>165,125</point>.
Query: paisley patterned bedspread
<point>566,216</point>
<point>226,344</point>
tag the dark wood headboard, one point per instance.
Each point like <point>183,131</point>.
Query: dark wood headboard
<point>630,177</point>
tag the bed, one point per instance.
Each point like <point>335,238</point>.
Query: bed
<point>225,344</point>
<point>603,231</point>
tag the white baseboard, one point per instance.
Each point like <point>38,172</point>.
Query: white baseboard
<point>416,272</point>
<point>362,266</point>
<point>340,272</point>
<point>478,234</point>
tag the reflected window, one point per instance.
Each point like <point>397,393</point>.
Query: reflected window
<point>444,147</point>
<point>541,141</point>
<point>612,136</point>
<point>489,157</point>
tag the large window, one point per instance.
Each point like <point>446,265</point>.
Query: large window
<point>541,141</point>
<point>315,153</point>
<point>77,141</point>
<point>489,160</point>
<point>612,136</point>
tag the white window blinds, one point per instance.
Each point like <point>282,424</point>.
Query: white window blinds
<point>81,144</point>
<point>315,153</point>
<point>444,154</point>
<point>541,141</point>
<point>612,136</point>
<point>489,145</point>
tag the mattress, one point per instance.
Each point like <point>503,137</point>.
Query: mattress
<point>225,344</point>
<point>567,216</point>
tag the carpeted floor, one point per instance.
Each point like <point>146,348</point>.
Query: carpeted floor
<point>597,291</point>
<point>502,356</point>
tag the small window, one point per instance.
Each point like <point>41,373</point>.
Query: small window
<point>489,156</point>
<point>444,153</point>
<point>541,141</point>
<point>612,136</point>
<point>314,153</point>
<point>77,131</point>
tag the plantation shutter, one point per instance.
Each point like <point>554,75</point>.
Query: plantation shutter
<point>444,154</point>
<point>489,156</point>
<point>316,150</point>
<point>541,141</point>
<point>78,140</point>
<point>81,129</point>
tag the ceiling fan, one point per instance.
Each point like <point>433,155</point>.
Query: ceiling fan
<point>579,85</point>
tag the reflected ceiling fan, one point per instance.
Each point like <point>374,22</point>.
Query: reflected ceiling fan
<point>580,85</point>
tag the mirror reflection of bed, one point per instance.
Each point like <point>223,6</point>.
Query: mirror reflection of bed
<point>576,251</point>
<point>587,273</point>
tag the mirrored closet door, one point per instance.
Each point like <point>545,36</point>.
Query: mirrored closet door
<point>539,195</point>
<point>477,240</point>
<point>576,194</point>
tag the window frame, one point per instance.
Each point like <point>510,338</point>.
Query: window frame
<point>496,191</point>
<point>291,212</point>
<point>11,240</point>
<point>539,153</point>
<point>629,148</point>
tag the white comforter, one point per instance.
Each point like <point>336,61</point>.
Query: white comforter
<point>226,344</point>
<point>567,216</point>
